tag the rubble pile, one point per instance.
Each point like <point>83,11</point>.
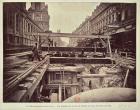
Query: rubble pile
<point>114,81</point>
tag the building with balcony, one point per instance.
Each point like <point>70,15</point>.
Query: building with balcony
<point>109,16</point>
<point>115,19</point>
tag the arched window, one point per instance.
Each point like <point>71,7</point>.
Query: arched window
<point>37,6</point>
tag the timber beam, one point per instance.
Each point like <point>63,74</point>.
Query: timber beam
<point>68,35</point>
<point>74,49</point>
<point>80,60</point>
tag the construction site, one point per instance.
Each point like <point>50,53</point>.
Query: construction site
<point>93,67</point>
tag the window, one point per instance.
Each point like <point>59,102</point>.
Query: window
<point>58,77</point>
<point>28,27</point>
<point>11,39</point>
<point>129,13</point>
<point>10,19</point>
<point>38,17</point>
<point>17,23</point>
<point>37,6</point>
<point>24,24</point>
<point>21,40</point>
<point>118,16</point>
<point>111,19</point>
<point>126,14</point>
<point>18,42</point>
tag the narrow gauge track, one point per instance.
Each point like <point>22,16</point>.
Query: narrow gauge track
<point>26,80</point>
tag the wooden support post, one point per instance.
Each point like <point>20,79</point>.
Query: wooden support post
<point>109,47</point>
<point>49,78</point>
<point>64,92</point>
<point>41,88</point>
<point>63,81</point>
<point>101,80</point>
<point>60,93</point>
<point>126,76</point>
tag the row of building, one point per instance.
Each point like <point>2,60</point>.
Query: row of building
<point>18,21</point>
<point>114,19</point>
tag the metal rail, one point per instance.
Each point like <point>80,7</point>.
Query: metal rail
<point>11,84</point>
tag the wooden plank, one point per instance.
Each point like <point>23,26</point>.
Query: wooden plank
<point>94,75</point>
<point>31,90</point>
<point>67,84</point>
<point>66,69</point>
<point>36,75</point>
<point>30,79</point>
<point>25,86</point>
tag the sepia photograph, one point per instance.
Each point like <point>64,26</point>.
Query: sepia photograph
<point>69,52</point>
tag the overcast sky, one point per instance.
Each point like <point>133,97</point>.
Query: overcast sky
<point>66,17</point>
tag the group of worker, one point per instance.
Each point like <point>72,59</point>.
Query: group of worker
<point>36,54</point>
<point>68,54</point>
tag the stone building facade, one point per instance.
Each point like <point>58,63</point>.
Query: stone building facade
<point>16,23</point>
<point>108,16</point>
<point>39,13</point>
<point>114,19</point>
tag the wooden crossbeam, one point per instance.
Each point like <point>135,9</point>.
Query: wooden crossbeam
<point>69,35</point>
<point>94,75</point>
<point>80,60</point>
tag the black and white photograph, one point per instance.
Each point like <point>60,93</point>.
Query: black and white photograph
<point>69,52</point>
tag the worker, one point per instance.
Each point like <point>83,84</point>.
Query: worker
<point>35,52</point>
<point>90,84</point>
<point>81,54</point>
